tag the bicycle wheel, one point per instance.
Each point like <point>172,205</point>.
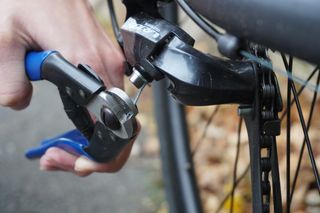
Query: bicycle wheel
<point>290,188</point>
<point>177,167</point>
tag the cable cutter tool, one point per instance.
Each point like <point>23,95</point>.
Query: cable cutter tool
<point>105,119</point>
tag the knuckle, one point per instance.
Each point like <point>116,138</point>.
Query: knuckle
<point>15,97</point>
<point>6,39</point>
<point>116,57</point>
<point>90,58</point>
<point>6,22</point>
<point>46,161</point>
<point>93,60</point>
<point>52,156</point>
<point>120,65</point>
<point>6,32</point>
<point>68,55</point>
<point>50,153</point>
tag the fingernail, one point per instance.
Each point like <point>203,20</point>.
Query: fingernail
<point>83,164</point>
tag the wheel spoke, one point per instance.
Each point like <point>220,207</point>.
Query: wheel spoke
<point>236,164</point>
<point>316,69</point>
<point>204,133</point>
<point>240,178</point>
<point>313,103</point>
<point>307,139</point>
<point>288,131</point>
<point>268,64</point>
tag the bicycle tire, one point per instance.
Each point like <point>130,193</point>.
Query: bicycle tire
<point>177,166</point>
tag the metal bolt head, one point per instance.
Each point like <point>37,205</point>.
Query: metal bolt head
<point>244,111</point>
<point>109,119</point>
<point>137,79</point>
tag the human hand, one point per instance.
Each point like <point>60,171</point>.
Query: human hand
<point>57,159</point>
<point>69,27</point>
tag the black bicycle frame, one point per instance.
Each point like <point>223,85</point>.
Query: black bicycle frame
<point>290,26</point>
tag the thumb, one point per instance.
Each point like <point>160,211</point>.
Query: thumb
<point>15,88</point>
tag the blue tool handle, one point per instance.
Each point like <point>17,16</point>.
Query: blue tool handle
<point>53,67</point>
<point>77,87</point>
<point>73,142</point>
<point>33,63</point>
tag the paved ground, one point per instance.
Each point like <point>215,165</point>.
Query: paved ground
<point>24,189</point>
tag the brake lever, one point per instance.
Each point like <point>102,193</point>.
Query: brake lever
<point>157,49</point>
<point>83,93</point>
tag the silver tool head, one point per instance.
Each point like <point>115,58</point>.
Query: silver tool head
<point>115,109</point>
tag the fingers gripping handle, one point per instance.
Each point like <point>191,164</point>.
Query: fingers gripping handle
<point>50,65</point>
<point>80,84</point>
<point>77,86</point>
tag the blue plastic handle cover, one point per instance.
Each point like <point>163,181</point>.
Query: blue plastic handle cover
<point>33,63</point>
<point>73,142</point>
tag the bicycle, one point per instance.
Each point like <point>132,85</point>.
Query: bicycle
<point>156,49</point>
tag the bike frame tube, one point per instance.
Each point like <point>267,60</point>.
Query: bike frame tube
<point>290,26</point>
